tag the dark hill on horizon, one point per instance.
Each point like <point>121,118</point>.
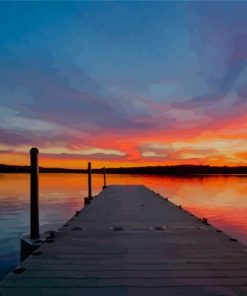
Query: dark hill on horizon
<point>152,170</point>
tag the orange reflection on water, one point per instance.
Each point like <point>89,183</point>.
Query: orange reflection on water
<point>223,200</point>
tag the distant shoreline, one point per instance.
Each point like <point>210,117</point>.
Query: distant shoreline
<point>176,170</point>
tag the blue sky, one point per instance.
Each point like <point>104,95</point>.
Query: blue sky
<point>126,82</point>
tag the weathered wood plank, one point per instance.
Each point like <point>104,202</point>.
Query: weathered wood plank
<point>124,282</point>
<point>143,267</point>
<point>116,274</point>
<point>130,291</point>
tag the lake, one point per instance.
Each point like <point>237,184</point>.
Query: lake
<point>220,199</point>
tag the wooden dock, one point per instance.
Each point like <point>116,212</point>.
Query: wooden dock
<point>131,241</point>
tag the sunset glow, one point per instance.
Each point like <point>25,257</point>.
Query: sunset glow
<point>123,83</point>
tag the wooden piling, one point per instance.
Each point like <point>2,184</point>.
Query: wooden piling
<point>34,194</point>
<point>104,174</point>
<point>89,181</point>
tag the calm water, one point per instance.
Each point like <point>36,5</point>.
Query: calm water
<point>223,200</point>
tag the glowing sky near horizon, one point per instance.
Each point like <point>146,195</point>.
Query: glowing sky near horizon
<point>123,83</point>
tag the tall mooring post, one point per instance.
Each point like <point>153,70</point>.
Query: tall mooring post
<point>34,194</point>
<point>104,174</point>
<point>89,181</point>
<point>30,242</point>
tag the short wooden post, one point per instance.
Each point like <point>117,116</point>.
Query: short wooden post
<point>89,181</point>
<point>104,173</point>
<point>34,194</point>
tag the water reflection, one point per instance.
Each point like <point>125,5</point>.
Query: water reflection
<point>220,199</point>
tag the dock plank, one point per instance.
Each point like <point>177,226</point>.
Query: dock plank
<point>131,241</point>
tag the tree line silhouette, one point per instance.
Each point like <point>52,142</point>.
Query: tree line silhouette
<point>151,170</point>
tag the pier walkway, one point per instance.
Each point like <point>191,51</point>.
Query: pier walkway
<point>131,241</point>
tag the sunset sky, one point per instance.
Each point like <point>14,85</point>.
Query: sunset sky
<point>123,83</point>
